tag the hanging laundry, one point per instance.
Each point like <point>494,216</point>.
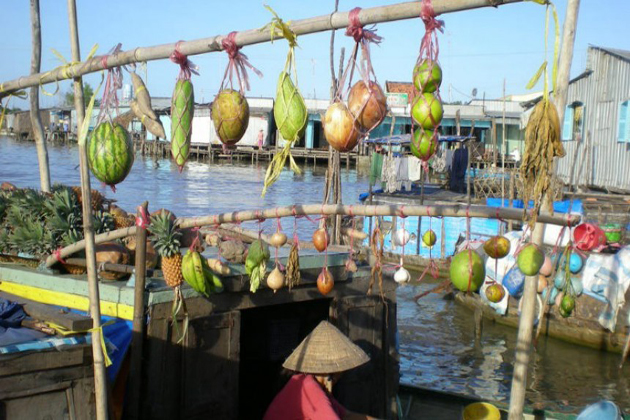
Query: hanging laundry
<point>458,170</point>
<point>448,157</point>
<point>402,173</point>
<point>376,168</point>
<point>414,166</point>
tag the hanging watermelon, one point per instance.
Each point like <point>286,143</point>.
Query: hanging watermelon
<point>110,153</point>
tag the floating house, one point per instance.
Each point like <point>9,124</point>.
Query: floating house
<point>596,126</point>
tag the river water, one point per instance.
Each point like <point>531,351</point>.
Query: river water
<point>437,341</point>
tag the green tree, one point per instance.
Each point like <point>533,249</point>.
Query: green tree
<point>87,95</point>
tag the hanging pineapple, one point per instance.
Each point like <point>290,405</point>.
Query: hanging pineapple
<point>289,109</point>
<point>230,110</point>
<point>182,108</point>
<point>166,241</point>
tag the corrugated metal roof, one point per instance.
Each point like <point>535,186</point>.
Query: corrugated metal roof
<point>623,54</point>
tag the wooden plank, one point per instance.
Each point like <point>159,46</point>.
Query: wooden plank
<point>42,312</point>
<point>22,363</point>
<point>66,299</point>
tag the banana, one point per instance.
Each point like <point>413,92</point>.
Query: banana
<point>193,271</point>
<point>213,281</point>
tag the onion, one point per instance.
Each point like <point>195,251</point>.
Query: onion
<point>278,239</point>
<point>401,275</point>
<point>275,280</point>
<point>320,239</point>
<point>340,128</point>
<point>401,237</point>
<point>367,104</point>
<point>325,281</point>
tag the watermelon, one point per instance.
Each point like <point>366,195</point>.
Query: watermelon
<point>182,111</point>
<point>110,153</point>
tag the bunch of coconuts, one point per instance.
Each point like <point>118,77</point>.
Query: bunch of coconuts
<point>344,125</point>
<point>426,110</point>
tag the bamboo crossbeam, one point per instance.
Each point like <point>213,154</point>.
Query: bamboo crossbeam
<point>452,210</point>
<point>312,25</point>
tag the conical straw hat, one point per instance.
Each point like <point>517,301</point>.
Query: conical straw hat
<point>325,350</point>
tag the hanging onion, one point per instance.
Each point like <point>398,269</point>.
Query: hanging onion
<point>340,127</point>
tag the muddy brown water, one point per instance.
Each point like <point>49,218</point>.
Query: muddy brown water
<point>436,337</point>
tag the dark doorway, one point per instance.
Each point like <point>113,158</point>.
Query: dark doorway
<point>268,335</point>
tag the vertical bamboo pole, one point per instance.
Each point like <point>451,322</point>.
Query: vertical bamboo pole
<point>36,121</point>
<point>100,377</point>
<point>135,378</point>
<point>504,150</point>
<point>526,322</point>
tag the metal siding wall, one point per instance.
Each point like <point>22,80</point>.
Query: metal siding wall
<point>601,93</point>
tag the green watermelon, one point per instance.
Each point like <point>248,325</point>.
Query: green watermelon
<point>424,144</point>
<point>182,111</point>
<point>467,271</point>
<point>110,153</point>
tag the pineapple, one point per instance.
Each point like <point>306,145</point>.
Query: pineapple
<point>166,240</point>
<point>97,199</point>
<point>122,219</point>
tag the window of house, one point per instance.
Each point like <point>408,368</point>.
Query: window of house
<point>623,129</point>
<point>573,124</point>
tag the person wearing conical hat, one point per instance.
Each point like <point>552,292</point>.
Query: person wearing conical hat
<point>318,361</point>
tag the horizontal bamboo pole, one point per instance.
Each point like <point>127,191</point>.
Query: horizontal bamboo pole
<point>451,210</point>
<point>316,24</point>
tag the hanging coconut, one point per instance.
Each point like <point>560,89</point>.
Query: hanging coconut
<point>340,127</point>
<point>427,111</point>
<point>110,153</point>
<point>467,271</point>
<point>230,115</point>
<point>495,293</point>
<point>530,259</point>
<point>424,144</point>
<point>368,104</point>
<point>182,111</point>
<point>497,247</point>
<point>427,76</point>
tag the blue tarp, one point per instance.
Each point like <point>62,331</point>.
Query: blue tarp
<point>558,206</point>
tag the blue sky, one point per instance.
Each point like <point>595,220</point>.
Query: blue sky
<point>478,49</point>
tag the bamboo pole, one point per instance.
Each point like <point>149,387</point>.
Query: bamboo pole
<point>100,377</point>
<point>36,121</point>
<point>368,16</point>
<point>450,210</point>
<point>504,143</point>
<point>137,339</point>
<point>526,321</point>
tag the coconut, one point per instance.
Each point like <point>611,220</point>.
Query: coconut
<point>530,259</point>
<point>495,293</point>
<point>467,271</point>
<point>340,127</point>
<point>424,144</point>
<point>230,115</point>
<point>497,247</point>
<point>427,76</point>
<point>114,253</point>
<point>368,104</point>
<point>427,111</point>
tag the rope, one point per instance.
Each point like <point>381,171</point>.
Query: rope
<point>238,63</point>
<point>186,67</point>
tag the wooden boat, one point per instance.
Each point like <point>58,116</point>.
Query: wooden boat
<point>580,328</point>
<point>416,403</point>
